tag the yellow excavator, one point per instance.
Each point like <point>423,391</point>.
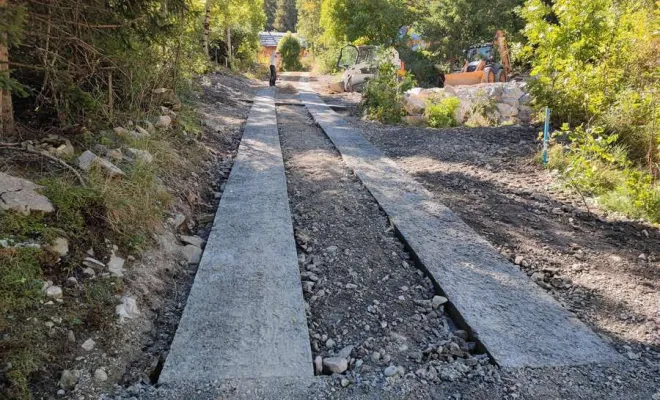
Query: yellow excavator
<point>480,65</point>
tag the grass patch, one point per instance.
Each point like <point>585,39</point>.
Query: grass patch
<point>20,296</point>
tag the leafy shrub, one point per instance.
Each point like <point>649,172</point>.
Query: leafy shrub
<point>289,48</point>
<point>596,165</point>
<point>383,99</point>
<point>442,113</point>
<point>595,61</point>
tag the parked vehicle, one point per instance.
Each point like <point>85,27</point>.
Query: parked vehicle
<point>481,65</point>
<point>360,63</point>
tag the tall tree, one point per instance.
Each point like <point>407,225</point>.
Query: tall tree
<point>309,21</point>
<point>11,25</point>
<point>371,21</point>
<point>286,16</point>
<point>270,7</point>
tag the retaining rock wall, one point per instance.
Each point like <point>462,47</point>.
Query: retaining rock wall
<point>502,103</point>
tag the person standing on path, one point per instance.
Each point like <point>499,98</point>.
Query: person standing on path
<point>274,59</point>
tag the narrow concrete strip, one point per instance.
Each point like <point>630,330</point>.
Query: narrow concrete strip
<point>519,324</point>
<point>245,316</point>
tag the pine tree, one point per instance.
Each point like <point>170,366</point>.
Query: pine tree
<point>286,16</point>
<point>270,7</point>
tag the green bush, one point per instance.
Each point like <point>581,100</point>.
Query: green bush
<point>383,95</point>
<point>289,49</point>
<point>595,61</point>
<point>596,165</point>
<point>442,113</point>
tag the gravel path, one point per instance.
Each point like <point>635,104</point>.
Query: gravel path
<point>362,288</point>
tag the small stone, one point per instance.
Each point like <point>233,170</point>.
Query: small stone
<point>163,121</point>
<point>518,260</point>
<point>633,356</point>
<point>71,336</point>
<point>331,249</point>
<point>71,281</point>
<point>87,160</point>
<point>437,301</point>
<point>128,309</point>
<point>140,155</point>
<point>69,379</point>
<point>461,334</point>
<point>375,356</point>
<point>390,371</point>
<point>330,343</point>
<point>538,277</point>
<point>54,292</point>
<point>89,344</point>
<point>116,266</point>
<point>59,247</point>
<point>100,375</point>
<point>89,272</point>
<point>345,382</point>
<point>351,286</point>
<point>307,286</point>
<point>192,240</point>
<point>335,365</point>
<point>192,254</point>
<point>61,392</point>
<point>318,365</point>
<point>345,352</point>
<point>93,263</point>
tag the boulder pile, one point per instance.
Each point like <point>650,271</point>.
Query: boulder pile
<point>502,103</point>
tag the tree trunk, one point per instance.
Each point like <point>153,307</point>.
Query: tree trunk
<point>207,28</point>
<point>6,110</point>
<point>229,55</point>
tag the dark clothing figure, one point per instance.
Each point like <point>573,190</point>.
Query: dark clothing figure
<point>273,75</point>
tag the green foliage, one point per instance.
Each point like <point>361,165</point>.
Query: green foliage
<point>451,26</point>
<point>383,95</point>
<point>442,113</point>
<point>595,62</point>
<point>289,48</point>
<point>420,64</point>
<point>596,165</point>
<point>309,22</point>
<point>286,16</point>
<point>368,21</point>
<point>21,280</point>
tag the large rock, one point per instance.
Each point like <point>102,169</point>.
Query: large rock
<point>507,111</point>
<point>17,194</point>
<point>414,104</point>
<point>88,160</point>
<point>335,365</point>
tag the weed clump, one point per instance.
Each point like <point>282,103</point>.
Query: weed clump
<point>442,113</point>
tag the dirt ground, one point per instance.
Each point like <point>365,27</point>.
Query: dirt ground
<point>362,288</point>
<point>602,267</point>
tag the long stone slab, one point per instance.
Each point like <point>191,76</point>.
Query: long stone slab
<point>245,316</point>
<point>519,324</point>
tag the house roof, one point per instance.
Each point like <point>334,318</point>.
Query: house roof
<point>272,39</point>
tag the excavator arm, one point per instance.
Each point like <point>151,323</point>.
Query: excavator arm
<point>500,42</point>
